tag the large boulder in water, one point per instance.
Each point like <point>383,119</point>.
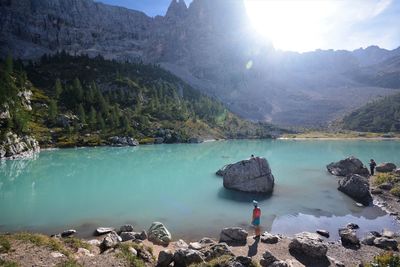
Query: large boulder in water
<point>253,175</point>
<point>386,167</point>
<point>347,167</point>
<point>356,187</point>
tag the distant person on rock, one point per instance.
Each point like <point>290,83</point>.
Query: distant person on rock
<point>256,219</point>
<point>372,165</point>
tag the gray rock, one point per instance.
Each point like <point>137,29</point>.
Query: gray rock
<point>269,238</point>
<point>142,235</point>
<point>347,167</point>
<point>165,258</point>
<point>186,257</point>
<point>253,175</point>
<point>159,234</point>
<point>104,230</point>
<point>357,187</point>
<point>181,244</point>
<point>368,240</point>
<point>145,255</point>
<point>126,228</point>
<point>206,241</point>
<point>126,236</point>
<point>267,259</point>
<point>385,186</point>
<point>68,233</point>
<point>245,261</point>
<point>122,141</point>
<point>323,233</point>
<point>195,140</point>
<point>133,251</point>
<point>352,226</point>
<point>195,245</point>
<point>385,243</point>
<point>233,235</point>
<point>216,251</point>
<point>111,240</point>
<point>388,234</point>
<point>94,242</point>
<point>376,191</point>
<point>13,146</point>
<point>386,167</point>
<point>308,244</point>
<point>158,140</point>
<point>397,171</point>
<point>348,237</point>
<point>221,171</point>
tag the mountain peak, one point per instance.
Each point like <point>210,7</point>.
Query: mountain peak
<point>176,9</point>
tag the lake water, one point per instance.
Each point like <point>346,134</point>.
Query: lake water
<point>175,184</point>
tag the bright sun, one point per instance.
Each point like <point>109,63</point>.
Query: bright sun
<point>293,25</point>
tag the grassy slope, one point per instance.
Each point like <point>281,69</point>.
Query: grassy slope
<point>379,116</point>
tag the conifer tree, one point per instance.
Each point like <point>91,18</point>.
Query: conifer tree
<point>81,114</point>
<point>58,89</point>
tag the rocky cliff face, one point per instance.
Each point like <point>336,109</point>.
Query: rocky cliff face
<point>209,44</point>
<point>30,28</point>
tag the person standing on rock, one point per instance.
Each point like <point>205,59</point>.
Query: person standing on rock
<point>256,219</point>
<point>372,165</point>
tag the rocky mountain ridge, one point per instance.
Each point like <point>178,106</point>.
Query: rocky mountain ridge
<point>210,45</point>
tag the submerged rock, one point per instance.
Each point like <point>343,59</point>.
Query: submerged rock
<point>233,235</point>
<point>253,175</point>
<point>386,167</point>
<point>159,234</point>
<point>347,167</point>
<point>308,244</point>
<point>356,187</point>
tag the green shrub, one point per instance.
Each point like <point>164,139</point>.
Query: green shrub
<point>69,263</point>
<point>387,259</point>
<point>147,141</point>
<point>395,191</point>
<point>4,263</point>
<point>44,241</point>
<point>129,257</point>
<point>381,178</point>
<point>76,243</point>
<point>5,245</point>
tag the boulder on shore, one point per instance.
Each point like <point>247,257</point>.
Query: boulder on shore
<point>386,167</point>
<point>347,167</point>
<point>235,235</point>
<point>356,187</point>
<point>159,234</point>
<point>309,244</point>
<point>348,237</point>
<point>252,175</point>
<point>187,257</point>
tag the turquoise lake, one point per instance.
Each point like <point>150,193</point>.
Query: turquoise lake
<point>176,184</point>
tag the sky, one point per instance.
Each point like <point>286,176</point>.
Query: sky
<point>307,25</point>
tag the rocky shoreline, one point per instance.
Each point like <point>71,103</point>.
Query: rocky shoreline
<point>156,247</point>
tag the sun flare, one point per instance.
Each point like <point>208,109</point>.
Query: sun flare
<point>294,25</point>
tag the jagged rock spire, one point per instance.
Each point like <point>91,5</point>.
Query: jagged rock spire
<point>177,8</point>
